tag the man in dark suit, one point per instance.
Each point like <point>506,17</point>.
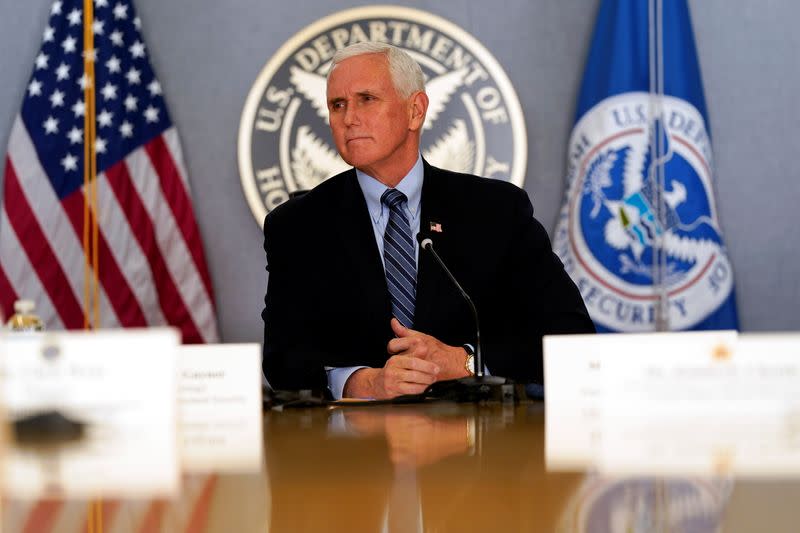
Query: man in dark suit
<point>354,305</point>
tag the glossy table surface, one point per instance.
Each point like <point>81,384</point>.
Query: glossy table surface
<point>432,467</point>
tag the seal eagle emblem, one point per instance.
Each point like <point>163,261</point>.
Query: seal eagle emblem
<point>474,122</point>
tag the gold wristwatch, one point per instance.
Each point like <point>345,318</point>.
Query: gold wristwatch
<point>469,362</point>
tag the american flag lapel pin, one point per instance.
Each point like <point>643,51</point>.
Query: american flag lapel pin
<point>436,226</point>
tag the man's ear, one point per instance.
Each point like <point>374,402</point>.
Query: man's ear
<point>418,106</point>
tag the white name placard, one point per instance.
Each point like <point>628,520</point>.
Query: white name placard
<point>121,384</point>
<point>579,370</point>
<point>731,408</point>
<point>219,398</point>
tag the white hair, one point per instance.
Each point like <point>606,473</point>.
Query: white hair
<point>406,73</point>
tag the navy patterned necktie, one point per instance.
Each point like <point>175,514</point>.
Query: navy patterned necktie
<point>398,259</point>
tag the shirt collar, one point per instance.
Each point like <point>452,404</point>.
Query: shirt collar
<point>410,185</point>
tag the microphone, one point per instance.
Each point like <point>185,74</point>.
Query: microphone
<point>426,243</point>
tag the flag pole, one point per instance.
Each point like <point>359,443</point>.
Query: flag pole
<point>663,295</point>
<point>90,226</point>
<point>658,157</point>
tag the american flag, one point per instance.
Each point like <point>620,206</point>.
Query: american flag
<point>152,270</point>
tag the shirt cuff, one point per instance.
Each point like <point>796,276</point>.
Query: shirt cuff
<point>337,377</point>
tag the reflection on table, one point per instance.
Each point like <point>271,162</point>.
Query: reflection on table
<point>432,467</point>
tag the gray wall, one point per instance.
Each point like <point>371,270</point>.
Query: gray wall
<point>207,54</point>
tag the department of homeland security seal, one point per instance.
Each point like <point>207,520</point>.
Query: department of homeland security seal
<point>474,122</point>
<point>643,505</point>
<point>614,214</point>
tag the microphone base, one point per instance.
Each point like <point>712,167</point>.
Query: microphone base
<point>477,381</point>
<point>473,389</point>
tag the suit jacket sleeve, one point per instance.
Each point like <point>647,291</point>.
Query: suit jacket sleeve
<point>291,357</point>
<point>534,297</point>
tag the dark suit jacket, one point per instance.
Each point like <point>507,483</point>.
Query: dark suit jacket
<point>327,303</point>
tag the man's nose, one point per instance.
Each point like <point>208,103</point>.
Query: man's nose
<point>350,116</point>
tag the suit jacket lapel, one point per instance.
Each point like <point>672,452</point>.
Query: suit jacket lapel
<point>358,243</point>
<point>429,275</point>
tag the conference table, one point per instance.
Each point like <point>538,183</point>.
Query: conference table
<point>424,467</point>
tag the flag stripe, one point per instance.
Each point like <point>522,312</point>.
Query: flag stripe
<point>71,515</point>
<point>178,199</point>
<point>39,252</point>
<point>49,214</point>
<point>119,294</point>
<point>124,247</point>
<point>42,517</point>
<point>173,247</point>
<point>7,296</point>
<point>152,518</point>
<point>171,302</point>
<point>174,145</point>
<point>15,513</point>
<point>199,517</point>
<point>21,275</point>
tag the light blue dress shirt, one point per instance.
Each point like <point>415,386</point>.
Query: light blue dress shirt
<point>411,186</point>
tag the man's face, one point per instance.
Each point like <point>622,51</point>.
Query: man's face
<point>374,129</point>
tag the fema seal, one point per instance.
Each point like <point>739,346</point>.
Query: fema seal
<point>474,122</point>
<point>616,215</point>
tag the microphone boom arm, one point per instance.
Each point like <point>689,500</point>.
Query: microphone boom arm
<point>427,244</point>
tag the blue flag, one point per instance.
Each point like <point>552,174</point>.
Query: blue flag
<point>639,230</point>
